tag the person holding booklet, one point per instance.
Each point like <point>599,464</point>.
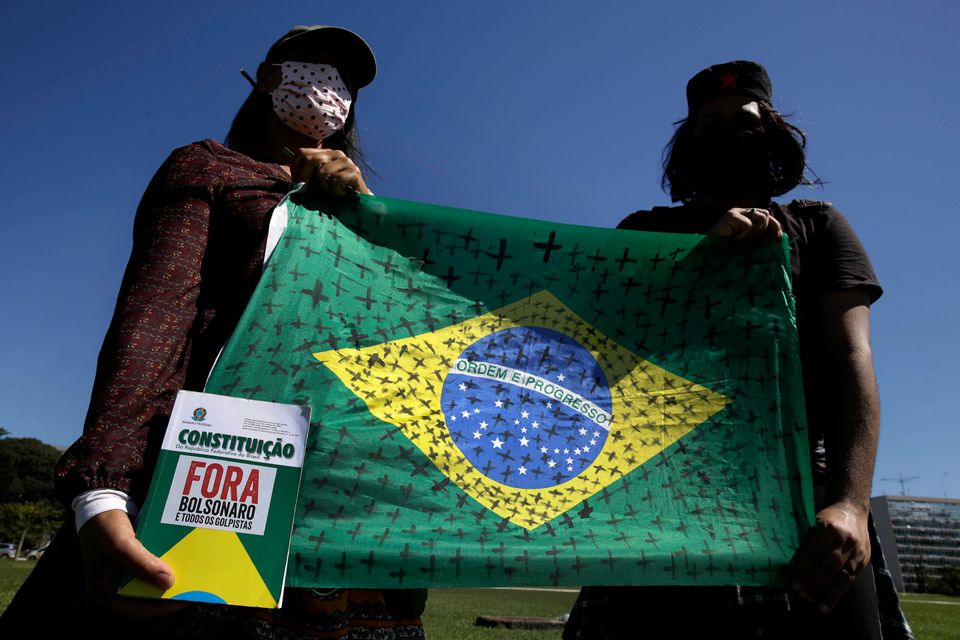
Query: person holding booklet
<point>200,241</point>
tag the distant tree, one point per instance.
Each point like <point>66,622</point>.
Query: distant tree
<point>26,470</point>
<point>920,575</point>
<point>29,522</point>
<point>949,582</point>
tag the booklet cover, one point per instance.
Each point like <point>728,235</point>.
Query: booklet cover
<point>221,503</point>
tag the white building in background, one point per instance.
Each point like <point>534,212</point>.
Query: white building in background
<point>920,536</point>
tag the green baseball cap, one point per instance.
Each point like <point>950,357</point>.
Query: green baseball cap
<point>357,54</point>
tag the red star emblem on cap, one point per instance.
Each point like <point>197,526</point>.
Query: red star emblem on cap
<point>729,80</point>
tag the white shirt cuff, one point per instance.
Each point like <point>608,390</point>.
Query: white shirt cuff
<point>91,503</point>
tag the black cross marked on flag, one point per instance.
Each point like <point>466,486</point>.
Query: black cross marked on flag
<point>665,299</point>
<point>456,560</point>
<point>316,293</point>
<point>449,278</point>
<point>625,259</point>
<point>366,300</point>
<point>315,569</point>
<point>599,291</point>
<point>387,264</point>
<point>409,290</point>
<point>477,273</point>
<point>656,260</point>
<point>342,565</point>
<point>596,258</point>
<point>354,532</point>
<point>403,226</point>
<point>369,562</point>
<point>336,256</point>
<point>339,284</point>
<point>629,284</point>
<point>355,337</point>
<point>467,238</point>
<point>549,246</point>
<point>269,306</point>
<point>501,255</point>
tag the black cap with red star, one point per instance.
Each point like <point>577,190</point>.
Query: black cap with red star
<point>737,78</point>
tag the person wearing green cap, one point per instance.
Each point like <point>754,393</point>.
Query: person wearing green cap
<point>728,159</point>
<point>202,232</point>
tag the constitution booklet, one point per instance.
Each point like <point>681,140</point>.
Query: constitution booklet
<point>221,503</point>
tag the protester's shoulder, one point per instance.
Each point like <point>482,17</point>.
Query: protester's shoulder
<point>816,218</point>
<point>193,164</point>
<point>816,211</point>
<point>646,219</point>
<point>208,163</point>
<point>198,152</point>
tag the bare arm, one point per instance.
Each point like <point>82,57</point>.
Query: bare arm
<point>839,546</point>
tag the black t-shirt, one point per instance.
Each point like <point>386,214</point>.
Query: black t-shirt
<point>825,255</point>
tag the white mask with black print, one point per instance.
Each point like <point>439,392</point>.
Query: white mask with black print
<point>311,99</point>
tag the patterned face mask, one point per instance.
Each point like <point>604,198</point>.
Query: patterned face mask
<point>311,99</point>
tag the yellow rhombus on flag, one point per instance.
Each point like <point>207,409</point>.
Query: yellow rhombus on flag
<point>401,382</point>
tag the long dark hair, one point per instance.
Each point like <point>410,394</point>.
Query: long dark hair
<point>788,164</point>
<point>247,128</point>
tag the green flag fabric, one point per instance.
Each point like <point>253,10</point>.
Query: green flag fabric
<point>504,401</point>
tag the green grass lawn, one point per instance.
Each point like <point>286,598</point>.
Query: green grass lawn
<point>12,575</point>
<point>932,621</point>
<point>451,613</point>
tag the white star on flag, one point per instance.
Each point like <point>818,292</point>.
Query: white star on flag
<point>497,443</point>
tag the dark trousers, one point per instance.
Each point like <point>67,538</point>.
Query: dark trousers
<point>678,613</point>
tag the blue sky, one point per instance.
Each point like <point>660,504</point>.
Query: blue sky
<point>552,110</point>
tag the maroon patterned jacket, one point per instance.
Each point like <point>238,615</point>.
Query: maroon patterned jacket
<point>198,245</point>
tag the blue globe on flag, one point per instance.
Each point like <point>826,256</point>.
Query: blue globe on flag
<point>529,407</point>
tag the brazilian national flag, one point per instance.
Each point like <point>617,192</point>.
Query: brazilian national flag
<point>505,401</point>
